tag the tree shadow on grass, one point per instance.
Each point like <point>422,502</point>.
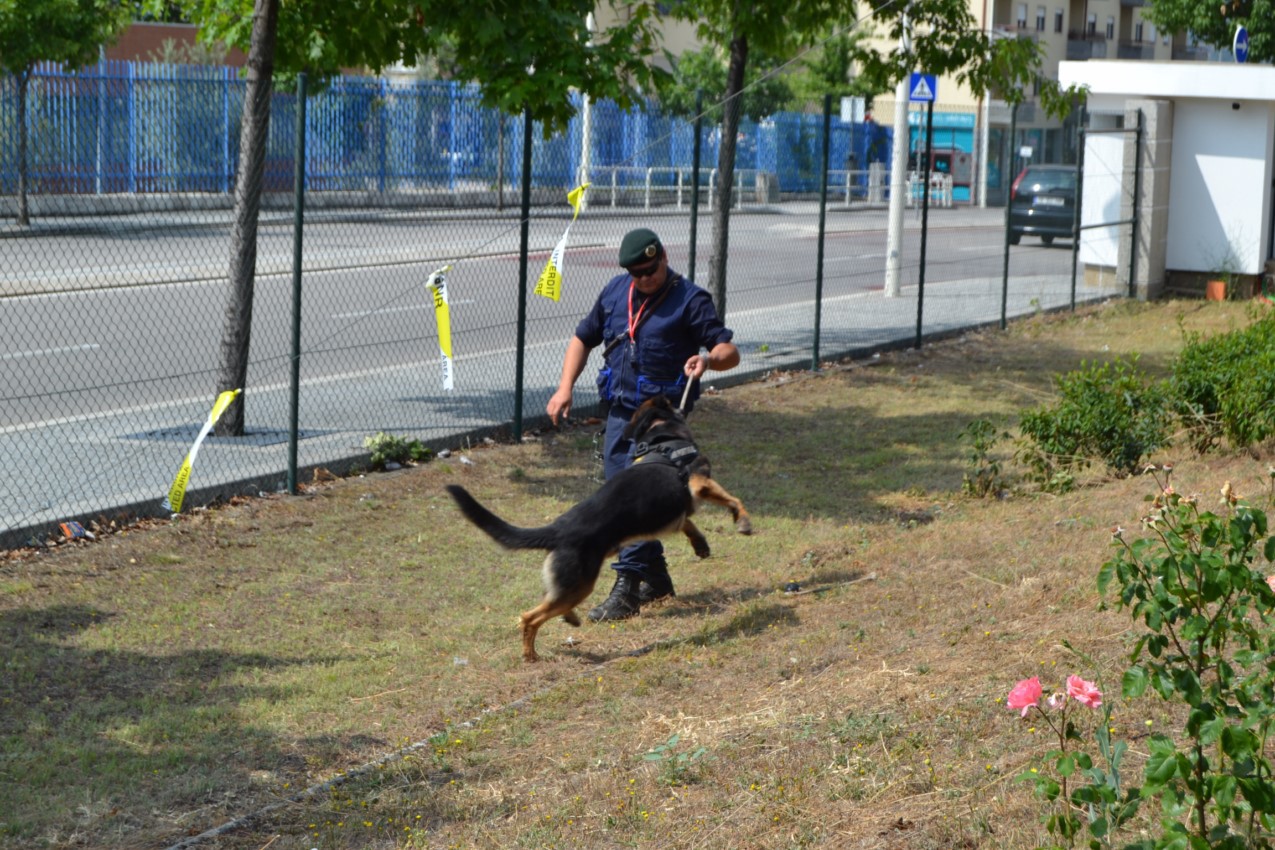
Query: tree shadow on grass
<point>747,621</point>
<point>843,458</point>
<point>80,726</point>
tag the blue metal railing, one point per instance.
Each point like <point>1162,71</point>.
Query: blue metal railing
<point>126,127</point>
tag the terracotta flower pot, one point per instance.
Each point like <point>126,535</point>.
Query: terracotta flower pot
<point>1215,290</point>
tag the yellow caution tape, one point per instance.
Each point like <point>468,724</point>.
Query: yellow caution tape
<point>550,283</point>
<point>437,286</point>
<point>177,493</point>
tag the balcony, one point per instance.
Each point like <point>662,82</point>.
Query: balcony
<point>1198,53</point>
<point>1081,46</point>
<point>1135,50</point>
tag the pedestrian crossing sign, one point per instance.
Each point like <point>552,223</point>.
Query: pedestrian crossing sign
<point>922,88</point>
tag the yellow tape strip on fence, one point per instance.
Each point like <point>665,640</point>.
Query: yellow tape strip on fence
<point>437,286</point>
<point>177,493</point>
<point>550,283</point>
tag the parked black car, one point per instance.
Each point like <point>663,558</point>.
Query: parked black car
<point>1042,203</point>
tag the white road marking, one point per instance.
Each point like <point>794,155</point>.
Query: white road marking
<point>385,311</point>
<point>44,352</point>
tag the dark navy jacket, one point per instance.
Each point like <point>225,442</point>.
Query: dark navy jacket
<point>678,327</point>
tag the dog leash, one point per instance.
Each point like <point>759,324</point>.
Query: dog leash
<point>681,407</point>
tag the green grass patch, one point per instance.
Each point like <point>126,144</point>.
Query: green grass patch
<point>193,673</point>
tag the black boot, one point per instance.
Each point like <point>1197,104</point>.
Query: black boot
<point>656,584</point>
<point>623,601</point>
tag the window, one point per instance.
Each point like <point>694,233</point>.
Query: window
<point>1111,27</point>
<point>1040,19</point>
<point>1137,31</point>
<point>1151,33</point>
<point>1058,20</point>
<point>1022,16</point>
<point>1091,24</point>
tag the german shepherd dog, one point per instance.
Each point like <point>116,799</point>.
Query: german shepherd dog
<point>652,498</point>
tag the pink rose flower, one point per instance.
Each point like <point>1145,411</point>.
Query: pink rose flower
<point>1270,582</point>
<point>1025,695</point>
<point>1086,693</point>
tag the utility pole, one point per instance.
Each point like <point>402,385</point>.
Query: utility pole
<point>898,173</point>
<point>586,131</point>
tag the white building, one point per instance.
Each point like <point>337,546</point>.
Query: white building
<point>1206,168</point>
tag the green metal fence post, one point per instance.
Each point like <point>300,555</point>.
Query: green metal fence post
<point>1137,194</point>
<point>522,272</point>
<point>823,219</point>
<point>926,170</point>
<point>1075,214</point>
<point>298,218</point>
<point>695,155</point>
<point>1013,131</point>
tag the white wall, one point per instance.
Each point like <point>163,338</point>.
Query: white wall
<point>1220,197</point>
<point>1100,199</point>
<point>1219,216</point>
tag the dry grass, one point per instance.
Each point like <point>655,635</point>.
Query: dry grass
<point>341,669</point>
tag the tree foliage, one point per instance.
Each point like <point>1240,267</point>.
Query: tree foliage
<point>65,31</point>
<point>829,68</point>
<point>704,71</point>
<point>945,39</point>
<point>1215,22</point>
<point>527,55</point>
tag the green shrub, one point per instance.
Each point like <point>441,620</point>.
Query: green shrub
<point>1201,584</point>
<point>1110,412</point>
<point>1224,386</point>
<point>387,448</point>
<point>983,476</point>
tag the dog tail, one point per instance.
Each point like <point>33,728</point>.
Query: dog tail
<point>509,536</point>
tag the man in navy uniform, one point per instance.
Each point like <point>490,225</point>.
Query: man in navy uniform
<point>655,327</point>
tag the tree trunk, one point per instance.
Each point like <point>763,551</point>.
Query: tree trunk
<point>237,323</point>
<point>726,171</point>
<point>24,213</point>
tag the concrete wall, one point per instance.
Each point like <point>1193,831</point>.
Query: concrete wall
<point>1144,255</point>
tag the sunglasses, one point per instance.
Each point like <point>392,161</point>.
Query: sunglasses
<point>646,270</point>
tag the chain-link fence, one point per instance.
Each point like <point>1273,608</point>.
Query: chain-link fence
<point>116,310</point>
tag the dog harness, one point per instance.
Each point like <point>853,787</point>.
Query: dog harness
<point>676,453</point>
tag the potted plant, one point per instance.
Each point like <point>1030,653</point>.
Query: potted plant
<point>1221,283</point>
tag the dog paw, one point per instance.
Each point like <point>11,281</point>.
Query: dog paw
<point>702,550</point>
<point>743,525</point>
<point>571,618</point>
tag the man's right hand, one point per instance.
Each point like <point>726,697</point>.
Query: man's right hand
<point>559,406</point>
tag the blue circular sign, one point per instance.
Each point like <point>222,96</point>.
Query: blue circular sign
<point>1240,46</point>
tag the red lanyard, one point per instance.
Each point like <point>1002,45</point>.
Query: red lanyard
<point>634,321</point>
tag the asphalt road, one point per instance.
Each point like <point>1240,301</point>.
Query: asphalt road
<point>112,332</point>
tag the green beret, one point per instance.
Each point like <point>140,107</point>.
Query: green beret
<point>639,246</point>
